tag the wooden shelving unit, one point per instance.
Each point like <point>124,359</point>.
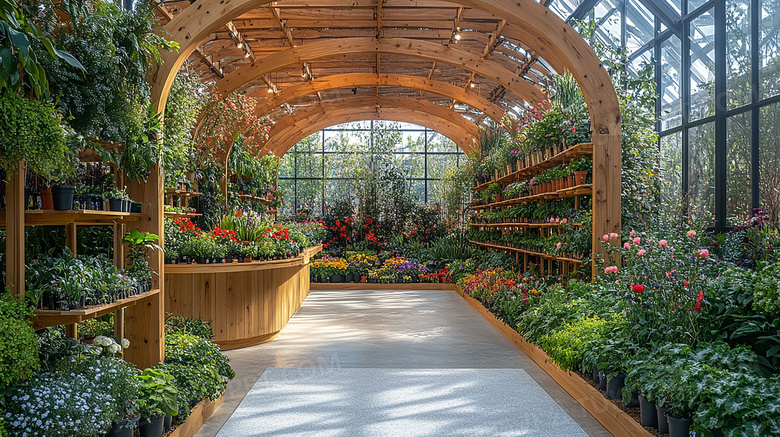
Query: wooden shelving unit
<point>550,259</point>
<point>250,197</point>
<point>138,318</point>
<point>523,225</point>
<point>576,151</point>
<point>174,214</point>
<point>579,190</point>
<point>47,318</point>
<point>39,217</point>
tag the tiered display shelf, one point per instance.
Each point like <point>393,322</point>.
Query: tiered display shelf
<point>184,198</point>
<point>546,260</point>
<point>250,197</point>
<point>175,214</point>
<point>576,151</point>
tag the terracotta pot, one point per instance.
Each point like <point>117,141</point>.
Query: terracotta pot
<point>47,201</point>
<point>363,279</point>
<point>569,181</point>
<point>579,177</point>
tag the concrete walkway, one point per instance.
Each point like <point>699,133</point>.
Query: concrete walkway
<point>335,331</point>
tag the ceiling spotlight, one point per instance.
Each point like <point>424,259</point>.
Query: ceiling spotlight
<point>246,55</point>
<point>472,85</point>
<point>240,45</point>
<point>457,37</point>
<point>270,90</point>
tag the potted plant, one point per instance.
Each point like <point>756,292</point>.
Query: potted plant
<point>157,398</point>
<point>580,167</point>
<point>116,198</point>
<point>140,243</point>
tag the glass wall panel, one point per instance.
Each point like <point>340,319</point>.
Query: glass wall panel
<point>769,33</point>
<point>738,52</point>
<point>287,166</point>
<point>309,195</point>
<point>739,167</point>
<point>439,143</point>
<point>307,164</point>
<point>769,159</point>
<point>287,186</point>
<point>671,173</point>
<point>701,173</point>
<point>702,91</point>
<point>642,61</point>
<point>671,101</point>
<point>640,26</point>
<point>608,18</point>
<point>693,4</point>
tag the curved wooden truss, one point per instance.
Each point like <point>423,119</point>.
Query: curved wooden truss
<point>416,107</point>
<point>281,141</point>
<point>350,80</point>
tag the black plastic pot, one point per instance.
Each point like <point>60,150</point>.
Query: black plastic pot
<point>62,195</point>
<point>634,402</point>
<point>647,413</point>
<point>602,381</point>
<point>663,424</point>
<point>168,423</point>
<point>135,207</point>
<point>151,426</point>
<point>371,281</point>
<point>615,386</point>
<point>337,279</point>
<point>126,203</point>
<point>115,205</point>
<point>679,427</point>
<point>124,428</point>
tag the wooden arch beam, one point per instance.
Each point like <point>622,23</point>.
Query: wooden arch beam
<point>529,21</point>
<point>350,80</point>
<point>372,103</point>
<point>282,141</point>
<point>328,48</point>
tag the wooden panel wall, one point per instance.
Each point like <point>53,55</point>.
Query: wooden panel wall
<point>244,307</point>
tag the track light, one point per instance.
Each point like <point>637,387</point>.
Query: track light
<point>472,85</point>
<point>240,45</point>
<point>246,55</point>
<point>457,37</point>
<point>270,90</point>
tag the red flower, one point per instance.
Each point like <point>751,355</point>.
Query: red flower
<point>239,213</point>
<point>638,288</point>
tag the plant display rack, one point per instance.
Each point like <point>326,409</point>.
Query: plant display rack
<point>184,198</point>
<point>138,318</point>
<point>546,261</point>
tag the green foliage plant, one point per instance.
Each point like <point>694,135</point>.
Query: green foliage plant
<point>18,344</point>
<point>157,395</point>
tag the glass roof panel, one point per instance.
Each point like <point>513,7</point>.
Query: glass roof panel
<point>702,92</point>
<point>608,22</point>
<point>564,8</point>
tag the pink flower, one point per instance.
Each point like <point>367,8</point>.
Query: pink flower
<point>637,240</point>
<point>632,233</point>
<point>558,246</point>
<point>704,253</point>
<point>641,252</point>
<point>606,237</point>
<point>691,234</point>
<point>611,269</point>
<point>627,245</point>
<point>613,236</point>
<point>663,244</point>
<point>564,221</point>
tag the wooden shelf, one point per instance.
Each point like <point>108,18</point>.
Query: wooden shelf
<point>579,190</point>
<point>174,214</point>
<point>525,225</point>
<point>38,217</point>
<point>577,151</point>
<point>529,252</point>
<point>182,193</point>
<point>262,200</point>
<point>47,318</point>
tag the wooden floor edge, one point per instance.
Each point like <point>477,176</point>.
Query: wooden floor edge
<point>198,416</point>
<point>366,286</point>
<point>602,409</point>
<point>227,345</point>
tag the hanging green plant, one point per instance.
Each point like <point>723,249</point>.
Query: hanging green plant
<point>32,130</point>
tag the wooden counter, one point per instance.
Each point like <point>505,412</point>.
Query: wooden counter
<point>246,303</point>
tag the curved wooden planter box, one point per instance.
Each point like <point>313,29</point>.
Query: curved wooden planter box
<point>246,303</point>
<point>602,409</point>
<point>198,416</point>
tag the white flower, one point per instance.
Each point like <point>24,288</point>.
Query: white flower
<point>100,339</point>
<point>125,343</point>
<point>113,348</point>
<point>98,350</point>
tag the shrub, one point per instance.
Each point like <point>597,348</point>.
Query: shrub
<point>186,325</point>
<point>569,346</point>
<point>18,343</point>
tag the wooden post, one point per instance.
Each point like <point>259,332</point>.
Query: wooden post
<point>71,237</point>
<point>144,321</point>
<point>72,331</point>
<point>14,228</point>
<point>119,324</point>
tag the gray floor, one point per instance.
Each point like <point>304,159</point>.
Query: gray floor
<point>339,330</point>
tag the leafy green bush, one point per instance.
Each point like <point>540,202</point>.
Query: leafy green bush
<point>186,325</point>
<point>569,346</point>
<point>198,367</point>
<point>18,343</point>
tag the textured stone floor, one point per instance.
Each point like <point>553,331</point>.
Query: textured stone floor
<point>337,332</point>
